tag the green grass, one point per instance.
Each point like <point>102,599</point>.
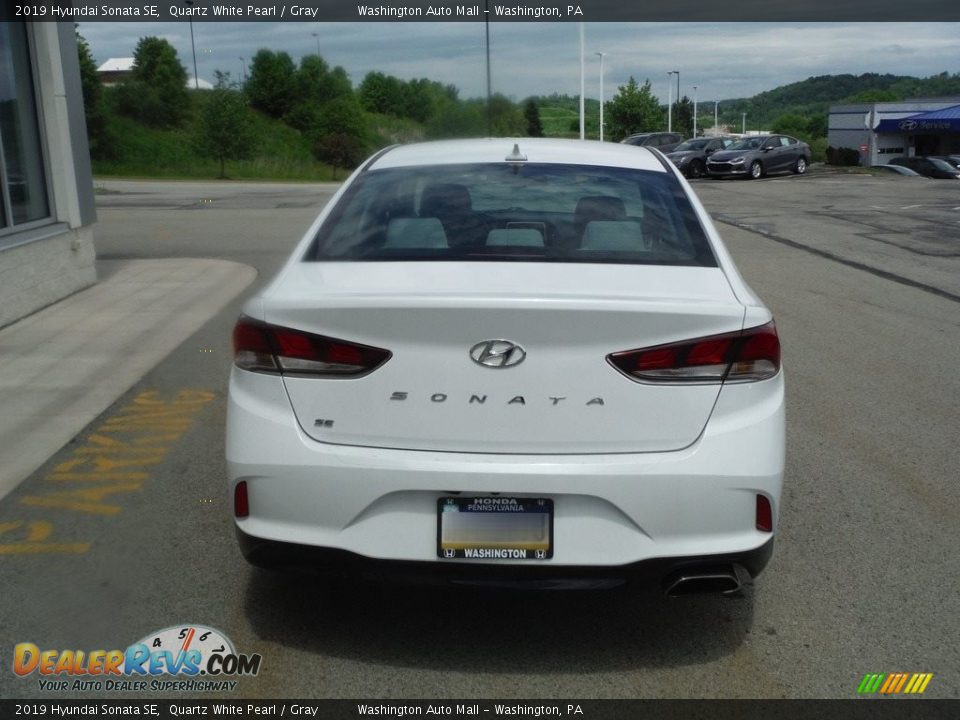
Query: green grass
<point>281,153</point>
<point>564,122</point>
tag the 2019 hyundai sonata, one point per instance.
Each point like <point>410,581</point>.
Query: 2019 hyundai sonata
<point>510,361</point>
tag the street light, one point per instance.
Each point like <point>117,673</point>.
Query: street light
<point>716,104</point>
<point>193,47</point>
<point>243,70</point>
<point>601,54</point>
<point>670,101</point>
<point>743,128</point>
<point>694,110</point>
<point>678,96</point>
<point>317,36</point>
<point>583,84</point>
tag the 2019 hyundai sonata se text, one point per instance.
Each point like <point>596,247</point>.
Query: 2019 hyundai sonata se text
<point>510,360</point>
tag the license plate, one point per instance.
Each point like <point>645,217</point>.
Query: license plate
<point>495,528</point>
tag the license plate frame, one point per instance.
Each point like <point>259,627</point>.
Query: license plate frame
<point>494,528</point>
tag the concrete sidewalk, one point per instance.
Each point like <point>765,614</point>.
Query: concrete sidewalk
<point>64,365</point>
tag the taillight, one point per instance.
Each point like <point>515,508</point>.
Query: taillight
<point>753,354</point>
<point>241,503</point>
<point>261,347</point>
<point>764,514</point>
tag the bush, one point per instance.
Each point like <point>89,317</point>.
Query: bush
<point>844,156</point>
<point>818,149</point>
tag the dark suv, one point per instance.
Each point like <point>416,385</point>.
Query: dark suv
<point>662,141</point>
<point>929,166</point>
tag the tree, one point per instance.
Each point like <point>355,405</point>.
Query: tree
<point>340,135</point>
<point>224,132</point>
<point>315,86</point>
<point>871,96</point>
<point>101,143</point>
<point>633,109</point>
<point>531,111</point>
<point>683,117</point>
<point>795,125</point>
<point>506,118</point>
<point>156,93</point>
<point>272,85</point>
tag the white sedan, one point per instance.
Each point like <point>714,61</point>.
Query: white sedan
<point>510,361</point>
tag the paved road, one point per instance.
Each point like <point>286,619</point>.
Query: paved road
<point>865,574</point>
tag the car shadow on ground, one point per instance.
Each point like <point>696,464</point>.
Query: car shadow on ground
<point>474,630</point>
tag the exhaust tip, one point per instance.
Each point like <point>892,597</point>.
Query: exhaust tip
<point>701,581</point>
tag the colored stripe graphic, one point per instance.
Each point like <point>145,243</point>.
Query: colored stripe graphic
<point>870,683</point>
<point>894,683</point>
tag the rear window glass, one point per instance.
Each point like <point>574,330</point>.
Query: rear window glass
<point>529,212</point>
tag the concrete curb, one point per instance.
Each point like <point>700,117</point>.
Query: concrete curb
<point>65,364</point>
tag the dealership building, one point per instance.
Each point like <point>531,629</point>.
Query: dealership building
<point>884,130</point>
<point>46,188</point>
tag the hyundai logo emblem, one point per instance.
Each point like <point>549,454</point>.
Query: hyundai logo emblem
<point>908,124</point>
<point>497,353</point>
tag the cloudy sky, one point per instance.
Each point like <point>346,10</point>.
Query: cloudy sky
<point>724,60</point>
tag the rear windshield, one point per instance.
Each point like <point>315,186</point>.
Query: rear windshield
<point>529,212</point>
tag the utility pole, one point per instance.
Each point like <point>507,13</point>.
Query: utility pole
<point>694,110</point>
<point>583,86</point>
<point>669,102</point>
<point>601,54</point>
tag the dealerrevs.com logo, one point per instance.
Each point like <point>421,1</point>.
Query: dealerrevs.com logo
<point>200,658</point>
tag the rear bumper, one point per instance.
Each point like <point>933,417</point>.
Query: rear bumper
<point>610,511</point>
<point>339,564</point>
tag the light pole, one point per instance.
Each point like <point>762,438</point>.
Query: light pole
<point>743,127</point>
<point>694,110</point>
<point>317,37</point>
<point>486,29</point>
<point>601,54</point>
<point>670,101</point>
<point>678,98</point>
<point>243,70</point>
<point>716,104</point>
<point>193,47</point>
<point>583,86</point>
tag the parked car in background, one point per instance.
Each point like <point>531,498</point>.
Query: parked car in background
<point>759,155</point>
<point>898,170</point>
<point>690,156</point>
<point>522,361</point>
<point>930,166</point>
<point>663,141</point>
<point>952,159</point>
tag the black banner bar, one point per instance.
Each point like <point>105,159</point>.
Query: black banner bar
<point>860,709</point>
<point>481,10</point>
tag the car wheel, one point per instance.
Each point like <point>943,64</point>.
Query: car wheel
<point>696,169</point>
<point>756,170</point>
<point>801,166</point>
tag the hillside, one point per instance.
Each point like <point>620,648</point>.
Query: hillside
<point>809,99</point>
<point>813,97</point>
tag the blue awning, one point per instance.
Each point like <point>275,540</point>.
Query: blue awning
<point>945,120</point>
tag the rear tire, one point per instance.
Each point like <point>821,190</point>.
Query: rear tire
<point>801,166</point>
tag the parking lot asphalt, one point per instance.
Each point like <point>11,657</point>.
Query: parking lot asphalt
<point>65,364</point>
<point>903,229</point>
